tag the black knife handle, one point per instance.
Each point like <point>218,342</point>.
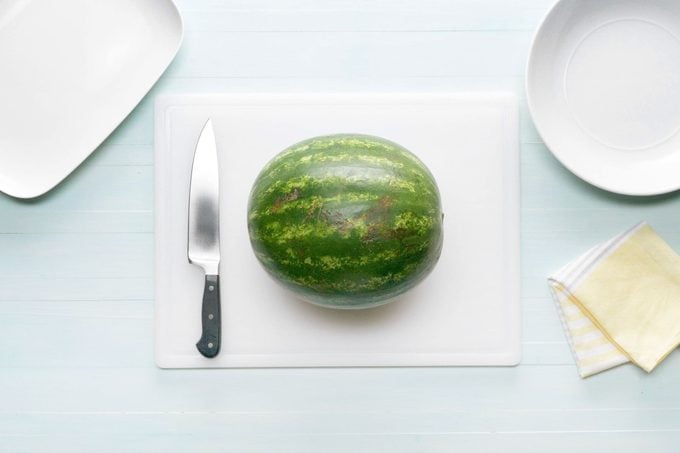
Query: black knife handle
<point>209,344</point>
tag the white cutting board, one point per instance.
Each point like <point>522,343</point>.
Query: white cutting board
<point>466,312</point>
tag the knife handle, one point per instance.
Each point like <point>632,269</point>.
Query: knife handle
<point>209,344</point>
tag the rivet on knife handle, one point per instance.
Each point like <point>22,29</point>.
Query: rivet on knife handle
<point>209,344</point>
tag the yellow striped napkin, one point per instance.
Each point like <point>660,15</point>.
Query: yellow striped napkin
<point>620,302</point>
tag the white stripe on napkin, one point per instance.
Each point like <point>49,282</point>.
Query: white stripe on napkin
<point>592,351</point>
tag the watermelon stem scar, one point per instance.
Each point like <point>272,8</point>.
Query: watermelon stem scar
<point>346,221</point>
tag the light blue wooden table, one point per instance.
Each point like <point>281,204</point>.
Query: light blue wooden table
<point>76,269</point>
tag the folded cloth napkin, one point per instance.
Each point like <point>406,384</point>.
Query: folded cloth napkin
<point>620,302</point>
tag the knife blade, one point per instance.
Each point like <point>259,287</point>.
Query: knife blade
<point>203,242</point>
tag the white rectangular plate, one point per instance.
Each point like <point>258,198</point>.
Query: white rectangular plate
<point>465,313</point>
<point>70,72</point>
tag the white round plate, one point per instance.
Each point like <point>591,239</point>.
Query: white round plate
<point>603,85</point>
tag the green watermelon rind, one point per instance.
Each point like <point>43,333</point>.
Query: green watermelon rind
<point>346,221</point>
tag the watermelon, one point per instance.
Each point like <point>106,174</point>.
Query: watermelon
<point>346,221</point>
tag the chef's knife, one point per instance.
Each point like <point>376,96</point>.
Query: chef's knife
<point>203,245</point>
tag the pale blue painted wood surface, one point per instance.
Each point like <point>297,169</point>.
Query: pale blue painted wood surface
<point>76,287</point>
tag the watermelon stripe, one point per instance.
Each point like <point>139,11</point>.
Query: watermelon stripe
<point>292,190</point>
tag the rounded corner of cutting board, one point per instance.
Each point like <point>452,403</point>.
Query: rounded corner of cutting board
<point>161,363</point>
<point>515,357</point>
